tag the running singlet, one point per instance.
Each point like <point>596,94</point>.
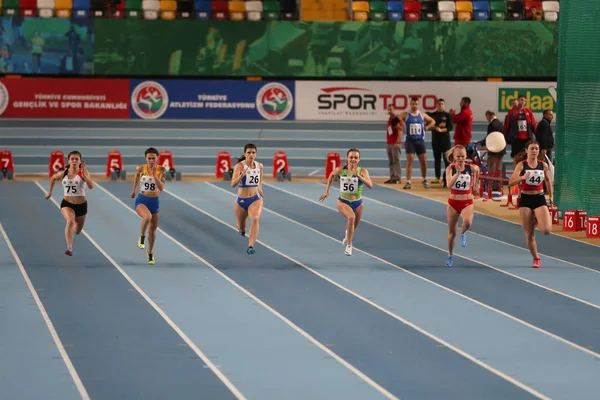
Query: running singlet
<point>535,182</point>
<point>74,186</point>
<point>251,176</point>
<point>148,185</point>
<point>350,184</point>
<point>463,184</point>
<point>415,126</point>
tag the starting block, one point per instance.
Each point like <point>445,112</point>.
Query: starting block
<point>333,161</point>
<point>281,167</point>
<point>56,163</point>
<point>165,159</point>
<point>114,166</point>
<point>223,167</point>
<point>7,165</point>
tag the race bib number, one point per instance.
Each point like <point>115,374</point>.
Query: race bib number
<point>147,184</point>
<point>535,177</point>
<point>463,182</point>
<point>72,188</point>
<point>522,125</point>
<point>252,177</point>
<point>349,184</point>
<point>415,130</point>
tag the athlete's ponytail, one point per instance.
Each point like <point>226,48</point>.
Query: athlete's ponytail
<point>246,147</point>
<point>522,155</point>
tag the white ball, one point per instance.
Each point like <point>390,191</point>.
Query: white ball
<point>495,142</point>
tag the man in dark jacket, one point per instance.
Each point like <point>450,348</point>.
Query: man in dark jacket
<point>494,159</point>
<point>545,136</point>
<point>440,138</point>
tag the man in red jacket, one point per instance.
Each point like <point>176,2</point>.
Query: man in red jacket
<point>464,122</point>
<point>519,126</point>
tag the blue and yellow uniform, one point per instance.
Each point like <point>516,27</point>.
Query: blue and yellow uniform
<point>351,186</point>
<point>251,179</point>
<point>148,190</point>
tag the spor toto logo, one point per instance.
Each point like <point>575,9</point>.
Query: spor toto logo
<point>358,99</point>
<point>274,101</point>
<point>3,98</point>
<point>149,100</point>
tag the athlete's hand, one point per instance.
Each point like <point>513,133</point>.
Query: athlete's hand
<point>133,194</point>
<point>324,196</point>
<point>526,176</point>
<point>260,193</point>
<point>48,195</point>
<point>152,170</point>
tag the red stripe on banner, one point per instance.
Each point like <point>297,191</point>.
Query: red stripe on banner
<point>337,89</point>
<point>64,98</point>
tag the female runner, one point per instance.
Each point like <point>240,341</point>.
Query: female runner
<point>462,179</point>
<point>74,205</point>
<point>531,173</point>
<point>350,202</point>
<point>247,176</point>
<point>151,180</point>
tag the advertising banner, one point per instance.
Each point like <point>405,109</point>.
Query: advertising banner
<point>64,98</point>
<point>368,100</point>
<point>189,99</point>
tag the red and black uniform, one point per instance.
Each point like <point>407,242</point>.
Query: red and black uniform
<point>463,185</point>
<point>534,183</point>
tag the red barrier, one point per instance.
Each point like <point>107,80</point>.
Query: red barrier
<point>65,98</point>
<point>333,161</point>
<point>593,228</point>
<point>114,161</point>
<point>574,220</point>
<point>554,214</point>
<point>165,159</point>
<point>223,163</point>
<point>6,161</point>
<point>280,161</point>
<point>57,161</point>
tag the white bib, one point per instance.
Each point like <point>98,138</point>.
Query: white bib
<point>252,176</point>
<point>522,125</point>
<point>148,184</point>
<point>463,182</point>
<point>414,129</point>
<point>348,185</point>
<point>536,176</point>
<point>74,186</point>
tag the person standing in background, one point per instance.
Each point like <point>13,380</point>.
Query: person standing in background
<point>440,138</point>
<point>393,142</point>
<point>519,127</point>
<point>545,136</point>
<point>464,123</point>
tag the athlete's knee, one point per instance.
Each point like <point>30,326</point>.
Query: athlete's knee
<point>254,219</point>
<point>466,224</point>
<point>351,219</point>
<point>147,219</point>
<point>546,230</point>
<point>71,223</point>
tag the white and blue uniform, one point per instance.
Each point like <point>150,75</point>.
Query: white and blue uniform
<point>415,134</point>
<point>251,179</point>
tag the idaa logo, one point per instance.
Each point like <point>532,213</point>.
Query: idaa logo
<point>538,99</point>
<point>3,98</point>
<point>274,101</point>
<point>149,100</point>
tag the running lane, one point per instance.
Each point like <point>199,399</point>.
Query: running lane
<point>118,344</point>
